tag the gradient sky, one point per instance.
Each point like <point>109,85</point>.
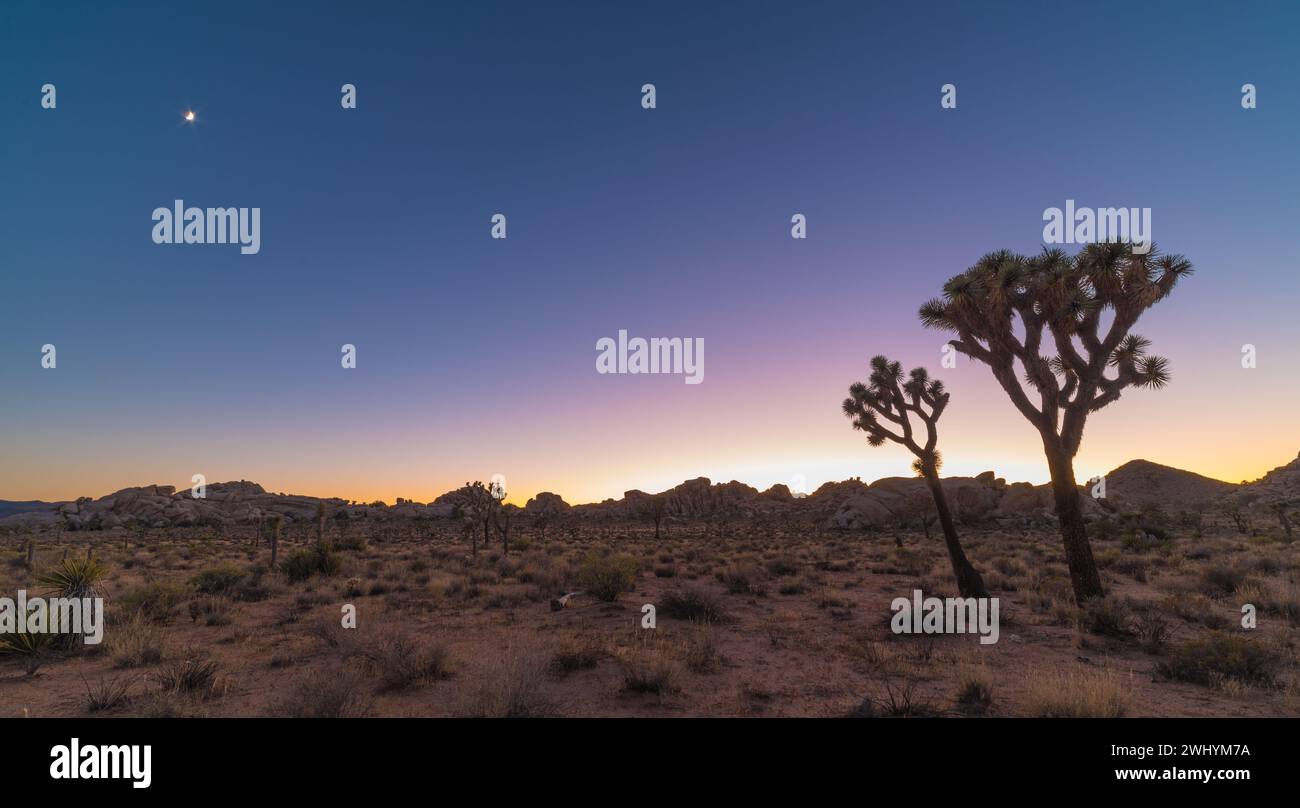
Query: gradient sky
<point>477,356</point>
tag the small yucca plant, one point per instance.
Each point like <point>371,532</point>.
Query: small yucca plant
<point>30,647</point>
<point>74,578</point>
<point>24,644</point>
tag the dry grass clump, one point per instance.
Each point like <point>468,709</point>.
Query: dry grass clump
<point>1223,656</point>
<point>742,579</point>
<point>897,699</point>
<point>155,600</point>
<point>1221,581</point>
<point>401,662</point>
<point>702,655</point>
<point>692,603</point>
<point>108,694</point>
<point>1108,616</point>
<point>191,676</point>
<point>575,655</point>
<point>1077,693</point>
<point>136,643</point>
<point>336,692</point>
<point>511,689</point>
<point>648,667</point>
<point>974,694</point>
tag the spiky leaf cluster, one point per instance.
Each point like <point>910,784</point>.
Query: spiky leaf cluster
<point>1065,322</point>
<point>884,406</point>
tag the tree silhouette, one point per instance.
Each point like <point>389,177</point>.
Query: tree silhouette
<point>889,397</point>
<point>1040,319</point>
<point>475,507</point>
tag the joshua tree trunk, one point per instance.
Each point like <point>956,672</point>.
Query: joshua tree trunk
<point>1084,578</point>
<point>969,582</point>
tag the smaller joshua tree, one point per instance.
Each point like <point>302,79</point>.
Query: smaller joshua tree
<point>894,400</point>
<point>475,506</point>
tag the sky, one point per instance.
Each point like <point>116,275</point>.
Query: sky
<point>477,356</point>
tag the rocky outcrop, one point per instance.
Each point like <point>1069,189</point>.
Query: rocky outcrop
<point>847,505</point>
<point>1282,484</point>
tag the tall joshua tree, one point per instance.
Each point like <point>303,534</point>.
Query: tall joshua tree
<point>475,506</point>
<point>889,397</point>
<point>1059,322</point>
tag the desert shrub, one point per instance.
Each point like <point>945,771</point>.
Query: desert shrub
<point>194,675</point>
<point>782,566</point>
<point>911,562</point>
<point>304,563</point>
<point>107,694</point>
<point>1078,693</point>
<point>155,600</point>
<point>334,693</point>
<point>702,654</point>
<point>691,603</point>
<point>215,611</point>
<point>1229,656</point>
<point>400,662</point>
<point>742,579</point>
<point>572,658</point>
<point>1153,630</point>
<point>974,690</point>
<point>665,571</point>
<point>218,580</point>
<point>1133,566</point>
<point>1195,609</point>
<point>136,643</point>
<point>1109,616</point>
<point>1009,566</point>
<point>1280,598</point>
<point>355,543</point>
<point>649,669</point>
<point>606,577</point>
<point>1143,539</point>
<point>32,648</point>
<point>512,689</point>
<point>793,588</point>
<point>899,700</point>
<point>1217,581</point>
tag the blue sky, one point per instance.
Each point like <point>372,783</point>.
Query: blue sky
<point>476,356</point>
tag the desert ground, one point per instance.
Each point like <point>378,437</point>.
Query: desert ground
<point>753,618</point>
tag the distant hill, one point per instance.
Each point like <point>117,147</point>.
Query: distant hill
<point>851,504</point>
<point>1141,481</point>
<point>9,507</point>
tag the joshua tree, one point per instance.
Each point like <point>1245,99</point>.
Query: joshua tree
<point>320,523</point>
<point>654,508</point>
<point>475,505</point>
<point>275,521</point>
<point>1280,508</point>
<point>1040,319</point>
<point>889,397</point>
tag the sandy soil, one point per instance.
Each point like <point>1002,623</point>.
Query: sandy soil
<point>798,625</point>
